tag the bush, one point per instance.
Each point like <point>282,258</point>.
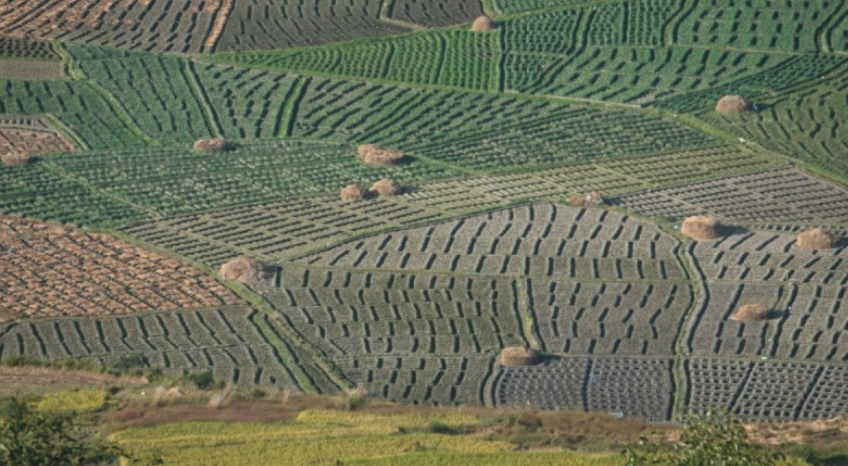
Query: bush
<point>204,380</point>
<point>715,439</point>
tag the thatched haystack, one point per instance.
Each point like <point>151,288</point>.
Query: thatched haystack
<point>373,154</point>
<point>483,24</point>
<point>751,313</point>
<point>817,239</point>
<point>353,193</point>
<point>588,200</point>
<point>244,270</point>
<point>701,228</point>
<point>734,105</point>
<point>387,187</point>
<point>14,159</point>
<point>212,145</point>
<point>519,356</point>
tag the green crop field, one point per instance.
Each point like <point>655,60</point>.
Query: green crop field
<point>550,160</point>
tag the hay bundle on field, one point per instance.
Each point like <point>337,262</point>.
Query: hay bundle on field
<point>589,200</point>
<point>483,24</point>
<point>387,187</point>
<point>16,159</point>
<point>701,228</point>
<point>212,145</point>
<point>243,270</point>
<point>354,193</point>
<point>817,239</point>
<point>751,313</point>
<point>734,105</point>
<point>373,154</point>
<point>519,356</point>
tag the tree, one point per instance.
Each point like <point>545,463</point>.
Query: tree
<point>712,440</point>
<point>32,438</point>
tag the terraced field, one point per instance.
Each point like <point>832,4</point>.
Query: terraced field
<point>494,239</point>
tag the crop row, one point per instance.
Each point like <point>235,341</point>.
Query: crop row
<point>177,181</point>
<point>433,13</point>
<point>621,386</point>
<point>804,124</point>
<point>224,340</point>
<point>765,390</point>
<point>154,25</point>
<point>31,136</point>
<point>283,229</point>
<point>155,90</point>
<point>786,196</point>
<point>266,24</point>
<point>23,48</point>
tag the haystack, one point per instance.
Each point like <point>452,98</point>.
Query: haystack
<point>16,159</point>
<point>483,24</point>
<point>212,145</point>
<point>387,187</point>
<point>734,105</point>
<point>354,193</point>
<point>588,200</point>
<point>701,228</point>
<point>817,239</point>
<point>243,270</point>
<point>751,313</point>
<point>373,154</point>
<point>519,356</point>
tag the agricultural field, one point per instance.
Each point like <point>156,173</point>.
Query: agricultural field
<point>549,161</point>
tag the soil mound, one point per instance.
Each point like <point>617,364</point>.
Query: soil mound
<point>373,154</point>
<point>817,239</point>
<point>212,145</point>
<point>701,228</point>
<point>588,200</point>
<point>483,24</point>
<point>519,356</point>
<point>243,270</point>
<point>387,187</point>
<point>751,313</point>
<point>353,193</point>
<point>734,105</point>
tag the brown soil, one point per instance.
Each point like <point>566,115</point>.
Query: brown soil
<point>387,187</point>
<point>734,105</point>
<point>50,376</point>
<point>817,239</point>
<point>483,24</point>
<point>51,271</point>
<point>353,193</point>
<point>518,356</point>
<point>373,154</point>
<point>244,270</point>
<point>588,200</point>
<point>701,228</point>
<point>32,141</point>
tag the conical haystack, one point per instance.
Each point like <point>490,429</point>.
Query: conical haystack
<point>817,239</point>
<point>734,105</point>
<point>387,187</point>
<point>701,228</point>
<point>519,356</point>
<point>212,145</point>
<point>16,159</point>
<point>353,193</point>
<point>751,313</point>
<point>483,24</point>
<point>373,154</point>
<point>244,270</point>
